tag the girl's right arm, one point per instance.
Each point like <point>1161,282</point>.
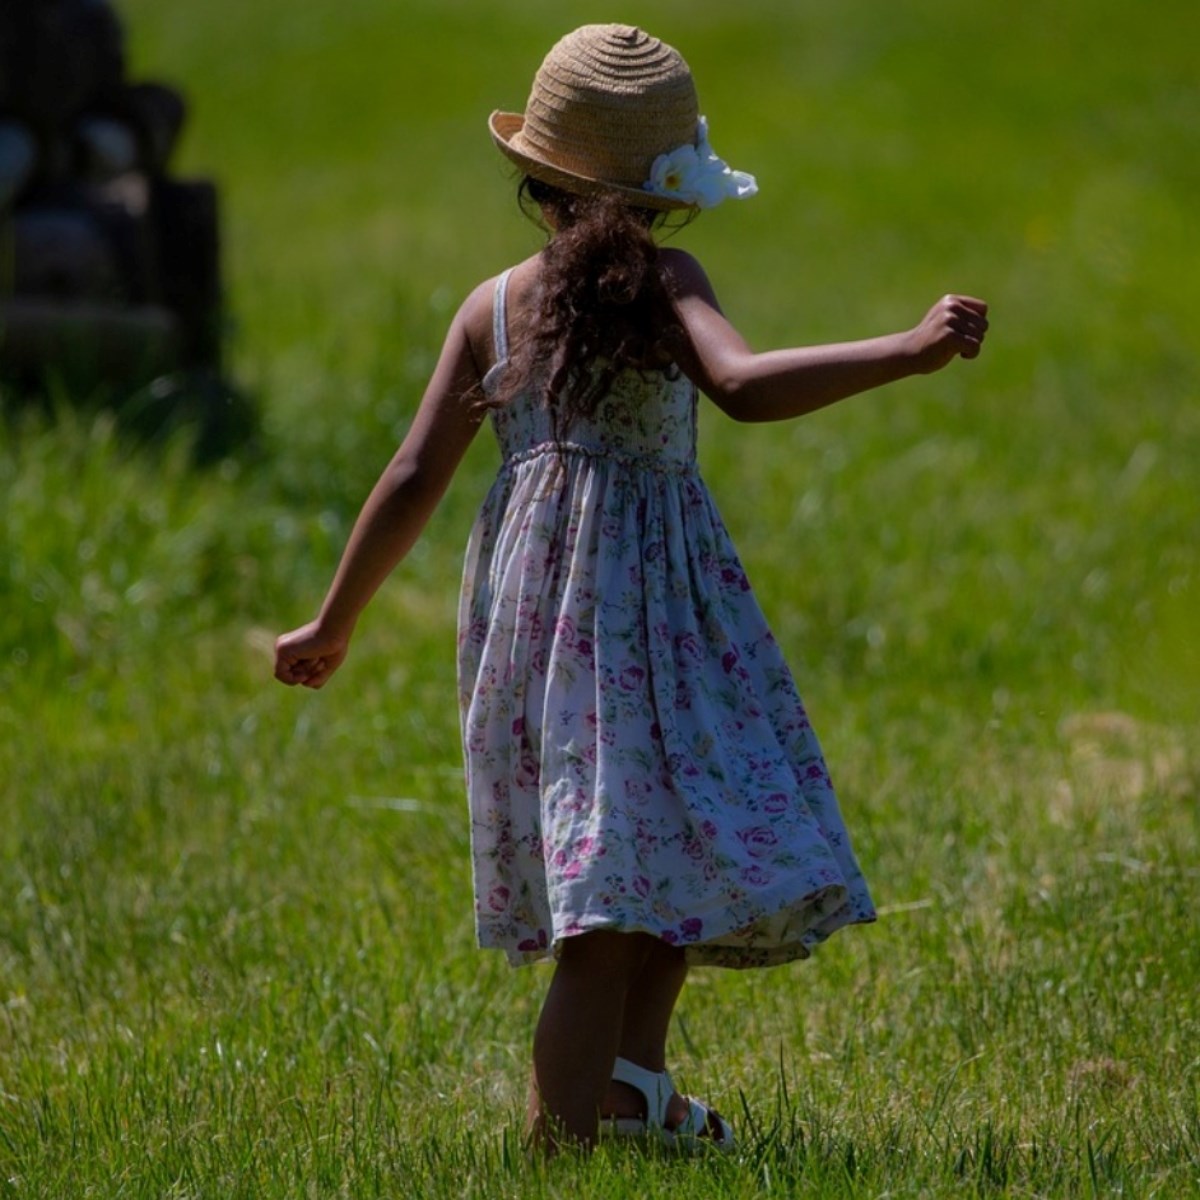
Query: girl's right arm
<point>399,505</point>
<point>780,384</point>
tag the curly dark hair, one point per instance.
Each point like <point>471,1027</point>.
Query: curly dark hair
<point>600,307</point>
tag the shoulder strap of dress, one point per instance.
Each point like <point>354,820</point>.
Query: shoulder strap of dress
<point>500,316</point>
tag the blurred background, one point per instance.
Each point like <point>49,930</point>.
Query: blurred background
<point>1042,156</point>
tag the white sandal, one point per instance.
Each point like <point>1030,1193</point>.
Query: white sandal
<point>702,1128</point>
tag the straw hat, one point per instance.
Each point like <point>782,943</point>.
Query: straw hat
<point>607,101</point>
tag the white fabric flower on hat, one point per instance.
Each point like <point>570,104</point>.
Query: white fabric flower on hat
<point>696,175</point>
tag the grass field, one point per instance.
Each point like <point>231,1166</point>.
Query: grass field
<point>236,952</point>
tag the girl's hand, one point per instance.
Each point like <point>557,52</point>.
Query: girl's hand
<point>954,326</point>
<point>309,656</point>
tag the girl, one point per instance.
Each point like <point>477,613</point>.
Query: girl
<point>646,792</point>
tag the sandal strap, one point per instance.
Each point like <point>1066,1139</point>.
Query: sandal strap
<point>700,1123</point>
<point>655,1086</point>
<point>696,1122</point>
<point>703,1126</point>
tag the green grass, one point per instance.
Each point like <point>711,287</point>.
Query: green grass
<point>236,956</point>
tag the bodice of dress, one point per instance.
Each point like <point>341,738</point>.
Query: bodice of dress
<point>646,417</point>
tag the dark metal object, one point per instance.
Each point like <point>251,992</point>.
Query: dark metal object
<point>109,268</point>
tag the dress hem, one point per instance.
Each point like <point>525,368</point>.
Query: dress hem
<point>712,952</point>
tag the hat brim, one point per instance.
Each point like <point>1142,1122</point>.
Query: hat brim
<point>505,126</point>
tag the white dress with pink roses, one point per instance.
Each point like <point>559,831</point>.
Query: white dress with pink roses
<point>637,755</point>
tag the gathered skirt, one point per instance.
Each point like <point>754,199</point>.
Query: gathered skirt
<point>637,754</point>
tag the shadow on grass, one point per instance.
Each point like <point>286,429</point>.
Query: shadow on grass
<point>211,414</point>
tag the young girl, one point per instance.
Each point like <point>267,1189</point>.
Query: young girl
<point>646,792</point>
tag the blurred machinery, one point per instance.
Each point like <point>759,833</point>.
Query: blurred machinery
<point>109,268</point>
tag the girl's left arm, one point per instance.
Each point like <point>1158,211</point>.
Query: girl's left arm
<point>780,384</point>
<point>397,509</point>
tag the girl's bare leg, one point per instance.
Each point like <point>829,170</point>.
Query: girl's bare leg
<point>579,1034</point>
<point>649,1003</point>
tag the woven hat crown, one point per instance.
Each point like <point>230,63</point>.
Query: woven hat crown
<point>605,103</point>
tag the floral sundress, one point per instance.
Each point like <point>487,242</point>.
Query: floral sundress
<point>637,755</point>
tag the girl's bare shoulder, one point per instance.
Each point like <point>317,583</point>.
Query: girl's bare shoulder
<point>476,311</point>
<point>684,276</point>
